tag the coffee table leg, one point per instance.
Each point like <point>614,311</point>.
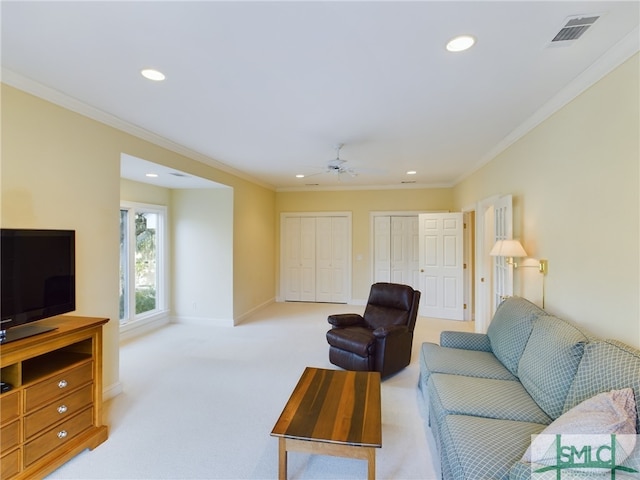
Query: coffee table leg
<point>371,454</point>
<point>282,458</point>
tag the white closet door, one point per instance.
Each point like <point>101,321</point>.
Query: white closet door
<point>308,259</point>
<point>316,262</point>
<point>299,258</point>
<point>331,259</point>
<point>291,259</point>
<point>396,249</point>
<point>382,248</point>
<point>405,251</point>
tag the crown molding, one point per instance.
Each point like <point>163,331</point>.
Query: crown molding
<point>609,61</point>
<point>56,97</point>
<point>329,188</point>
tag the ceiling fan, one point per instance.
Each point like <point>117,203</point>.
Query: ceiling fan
<point>337,166</point>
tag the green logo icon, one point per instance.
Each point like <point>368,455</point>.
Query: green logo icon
<point>584,455</point>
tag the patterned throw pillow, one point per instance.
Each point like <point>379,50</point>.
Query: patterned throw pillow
<point>607,413</point>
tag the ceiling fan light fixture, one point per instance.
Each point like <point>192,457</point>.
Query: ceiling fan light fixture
<point>461,43</point>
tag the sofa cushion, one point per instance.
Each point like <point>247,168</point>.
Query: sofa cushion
<point>549,362</point>
<point>510,328</point>
<point>483,397</point>
<point>456,361</point>
<point>477,448</point>
<point>606,365</point>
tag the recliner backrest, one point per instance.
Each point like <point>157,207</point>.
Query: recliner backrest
<point>391,304</point>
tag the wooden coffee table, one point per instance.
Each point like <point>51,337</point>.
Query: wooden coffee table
<point>332,412</point>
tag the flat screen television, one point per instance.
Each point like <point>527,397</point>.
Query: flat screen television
<point>37,279</point>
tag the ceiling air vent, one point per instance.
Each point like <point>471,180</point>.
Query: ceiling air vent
<point>574,27</point>
<point>178,174</point>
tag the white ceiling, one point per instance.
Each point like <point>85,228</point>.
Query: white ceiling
<point>267,89</point>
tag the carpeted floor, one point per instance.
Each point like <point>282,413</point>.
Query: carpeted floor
<point>199,402</point>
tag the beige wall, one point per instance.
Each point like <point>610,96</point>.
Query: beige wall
<point>131,191</point>
<point>62,170</point>
<point>361,203</point>
<point>575,182</point>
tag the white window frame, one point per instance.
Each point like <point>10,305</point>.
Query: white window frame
<point>160,314</point>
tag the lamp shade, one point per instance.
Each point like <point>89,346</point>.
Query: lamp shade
<point>507,248</point>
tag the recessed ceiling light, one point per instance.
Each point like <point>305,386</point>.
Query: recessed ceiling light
<point>460,43</point>
<point>299,175</point>
<point>411,172</point>
<point>152,74</point>
<point>151,175</point>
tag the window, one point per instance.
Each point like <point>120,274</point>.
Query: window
<point>142,261</point>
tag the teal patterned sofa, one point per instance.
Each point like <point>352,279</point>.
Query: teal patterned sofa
<point>487,394</point>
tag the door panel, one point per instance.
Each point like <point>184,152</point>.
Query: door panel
<point>502,271</point>
<point>382,249</point>
<point>441,254</point>
<point>291,259</point>
<point>307,258</point>
<point>396,249</point>
<point>339,259</point>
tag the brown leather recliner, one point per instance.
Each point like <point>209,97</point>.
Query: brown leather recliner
<point>380,340</point>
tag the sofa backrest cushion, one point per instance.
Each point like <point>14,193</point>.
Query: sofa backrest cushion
<point>549,362</point>
<point>606,365</point>
<point>510,328</point>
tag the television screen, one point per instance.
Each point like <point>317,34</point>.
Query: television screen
<point>37,277</point>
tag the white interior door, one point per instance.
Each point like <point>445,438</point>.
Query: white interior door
<point>441,265</point>
<point>494,219</point>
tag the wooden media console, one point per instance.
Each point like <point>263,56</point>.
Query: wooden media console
<point>54,410</point>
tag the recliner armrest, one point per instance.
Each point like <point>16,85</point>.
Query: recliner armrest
<point>465,341</point>
<point>381,332</point>
<point>345,319</point>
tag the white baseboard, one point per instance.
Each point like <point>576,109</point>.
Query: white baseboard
<point>203,321</point>
<point>112,391</point>
<point>245,315</point>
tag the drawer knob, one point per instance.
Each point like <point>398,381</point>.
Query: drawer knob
<point>62,384</point>
<point>62,409</point>
<point>62,434</point>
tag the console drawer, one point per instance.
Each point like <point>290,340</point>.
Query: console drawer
<point>56,385</point>
<point>62,408</point>
<point>10,464</point>
<point>10,436</point>
<point>9,407</point>
<point>57,436</point>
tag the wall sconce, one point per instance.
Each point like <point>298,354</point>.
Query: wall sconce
<point>509,249</point>
<point>513,248</point>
